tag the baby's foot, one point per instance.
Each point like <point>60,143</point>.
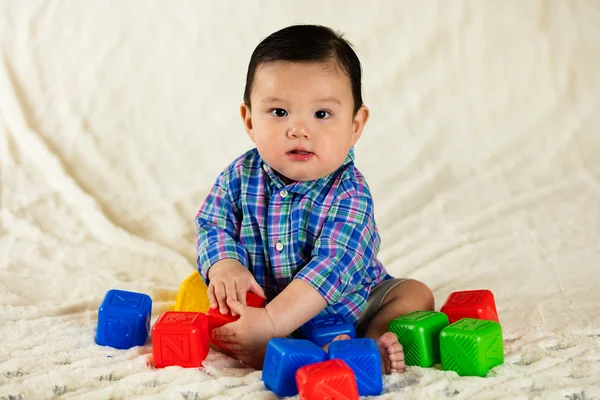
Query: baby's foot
<point>338,337</point>
<point>392,355</point>
<point>254,359</point>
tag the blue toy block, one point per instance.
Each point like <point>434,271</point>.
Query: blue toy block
<point>362,356</point>
<point>283,358</point>
<point>322,329</point>
<point>124,319</point>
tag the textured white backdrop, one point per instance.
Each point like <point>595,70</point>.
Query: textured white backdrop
<point>482,152</point>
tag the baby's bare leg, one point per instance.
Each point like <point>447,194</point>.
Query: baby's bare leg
<point>406,297</point>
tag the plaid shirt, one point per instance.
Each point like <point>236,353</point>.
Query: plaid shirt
<point>320,231</point>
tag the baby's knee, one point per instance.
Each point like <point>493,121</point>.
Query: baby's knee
<point>427,294</point>
<point>419,293</point>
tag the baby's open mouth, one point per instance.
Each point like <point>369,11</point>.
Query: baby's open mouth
<point>300,155</point>
<point>301,152</point>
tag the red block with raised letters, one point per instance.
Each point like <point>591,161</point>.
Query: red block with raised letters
<point>216,319</point>
<point>331,379</point>
<point>180,338</point>
<point>478,304</point>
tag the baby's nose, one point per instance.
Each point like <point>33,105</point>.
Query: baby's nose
<point>298,129</point>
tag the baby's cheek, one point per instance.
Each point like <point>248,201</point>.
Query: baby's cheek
<point>338,156</point>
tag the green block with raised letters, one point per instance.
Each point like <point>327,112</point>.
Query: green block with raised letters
<point>471,347</point>
<point>418,333</point>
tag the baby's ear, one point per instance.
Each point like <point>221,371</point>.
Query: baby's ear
<point>359,122</point>
<point>247,119</point>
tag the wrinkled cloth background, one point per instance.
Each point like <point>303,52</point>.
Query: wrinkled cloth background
<point>482,152</point>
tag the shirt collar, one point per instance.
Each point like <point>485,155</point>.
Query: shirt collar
<point>304,186</point>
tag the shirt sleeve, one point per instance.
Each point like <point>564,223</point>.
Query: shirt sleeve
<point>348,244</point>
<point>217,227</point>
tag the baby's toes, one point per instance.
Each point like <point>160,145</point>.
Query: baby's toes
<point>397,366</point>
<point>396,357</point>
<point>387,340</point>
<point>396,350</point>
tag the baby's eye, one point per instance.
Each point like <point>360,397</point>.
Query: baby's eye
<point>279,112</point>
<point>322,114</point>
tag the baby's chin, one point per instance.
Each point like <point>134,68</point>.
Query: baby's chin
<point>294,176</point>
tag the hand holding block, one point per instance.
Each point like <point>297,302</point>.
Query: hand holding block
<point>216,319</point>
<point>471,347</point>
<point>283,359</point>
<point>192,295</point>
<point>180,338</point>
<point>124,319</point>
<point>331,379</point>
<point>419,335</point>
<point>322,329</point>
<point>478,304</point>
<point>363,357</point>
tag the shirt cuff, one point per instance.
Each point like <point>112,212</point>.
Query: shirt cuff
<point>325,279</point>
<point>210,253</point>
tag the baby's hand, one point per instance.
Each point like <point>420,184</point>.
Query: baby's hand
<point>229,278</point>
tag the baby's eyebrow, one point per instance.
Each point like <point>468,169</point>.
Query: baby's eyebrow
<point>271,99</point>
<point>330,99</point>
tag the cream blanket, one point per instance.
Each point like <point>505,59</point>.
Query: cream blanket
<point>483,155</point>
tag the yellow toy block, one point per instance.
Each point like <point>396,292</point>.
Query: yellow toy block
<point>192,295</point>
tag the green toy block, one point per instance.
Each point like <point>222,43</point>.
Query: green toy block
<point>418,333</point>
<point>471,347</point>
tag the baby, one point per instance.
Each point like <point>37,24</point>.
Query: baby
<point>292,220</point>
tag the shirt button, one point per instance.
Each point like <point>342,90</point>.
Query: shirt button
<point>279,246</point>
<point>266,167</point>
<point>283,194</point>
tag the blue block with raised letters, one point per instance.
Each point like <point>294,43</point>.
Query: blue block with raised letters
<point>124,319</point>
<point>362,356</point>
<point>283,358</point>
<point>322,329</point>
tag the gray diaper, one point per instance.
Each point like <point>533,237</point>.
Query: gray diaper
<point>376,297</point>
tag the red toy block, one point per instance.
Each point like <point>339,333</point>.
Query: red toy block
<point>180,338</point>
<point>253,300</point>
<point>477,304</point>
<point>331,379</point>
<point>217,320</point>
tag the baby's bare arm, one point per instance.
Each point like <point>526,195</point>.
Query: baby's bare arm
<point>294,306</point>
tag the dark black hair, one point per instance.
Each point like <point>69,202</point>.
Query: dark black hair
<point>307,43</point>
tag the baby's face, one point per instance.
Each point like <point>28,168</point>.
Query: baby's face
<point>302,118</point>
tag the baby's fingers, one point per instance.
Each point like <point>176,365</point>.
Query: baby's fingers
<point>230,292</point>
<point>211,296</point>
<point>221,295</point>
<point>256,289</point>
<point>241,293</point>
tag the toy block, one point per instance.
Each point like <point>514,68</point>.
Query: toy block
<point>478,304</point>
<point>471,347</point>
<point>322,329</point>
<point>217,320</point>
<point>326,380</point>
<point>180,338</point>
<point>124,319</point>
<point>283,359</point>
<point>419,335</point>
<point>362,356</point>
<point>254,300</point>
<point>192,295</point>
